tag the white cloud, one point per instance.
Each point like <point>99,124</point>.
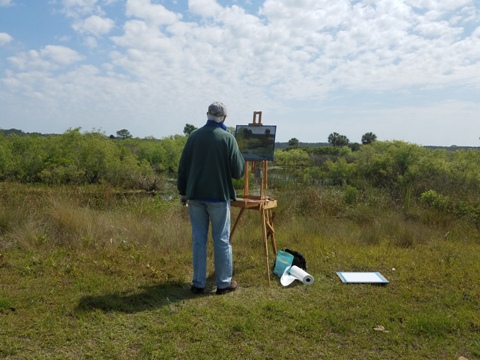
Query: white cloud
<point>60,54</point>
<point>95,25</point>
<point>205,8</point>
<point>5,3</point>
<point>296,49</point>
<point>80,8</point>
<point>50,58</point>
<point>29,61</point>
<point>153,14</point>
<point>5,38</point>
<point>138,35</point>
<point>91,41</point>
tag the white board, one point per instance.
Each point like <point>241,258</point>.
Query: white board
<point>362,277</point>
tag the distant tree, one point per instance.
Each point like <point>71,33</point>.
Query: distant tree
<point>368,138</point>
<point>338,140</point>
<point>188,129</point>
<point>231,130</point>
<point>354,146</point>
<point>293,142</point>
<point>124,134</point>
<point>13,131</point>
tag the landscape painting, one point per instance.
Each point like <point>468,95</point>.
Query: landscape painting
<point>256,143</point>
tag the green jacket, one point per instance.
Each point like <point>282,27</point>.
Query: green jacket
<point>209,161</point>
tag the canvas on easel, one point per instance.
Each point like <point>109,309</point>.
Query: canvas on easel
<point>256,142</point>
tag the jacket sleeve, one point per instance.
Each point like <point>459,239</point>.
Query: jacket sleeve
<point>182,173</point>
<point>238,162</point>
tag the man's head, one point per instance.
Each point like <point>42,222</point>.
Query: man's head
<point>217,111</point>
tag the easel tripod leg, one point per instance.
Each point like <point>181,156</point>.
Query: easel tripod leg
<point>265,240</point>
<point>271,230</point>
<point>236,223</point>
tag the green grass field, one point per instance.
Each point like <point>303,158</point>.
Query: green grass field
<point>87,273</point>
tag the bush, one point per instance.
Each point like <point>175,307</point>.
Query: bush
<point>89,158</point>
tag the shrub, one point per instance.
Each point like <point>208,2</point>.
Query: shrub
<point>437,201</point>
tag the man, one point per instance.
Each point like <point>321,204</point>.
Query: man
<point>209,161</point>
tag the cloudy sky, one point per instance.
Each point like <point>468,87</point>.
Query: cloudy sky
<point>403,69</point>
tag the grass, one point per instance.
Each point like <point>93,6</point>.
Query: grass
<point>87,274</point>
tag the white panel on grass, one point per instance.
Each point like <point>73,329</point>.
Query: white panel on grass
<point>362,277</point>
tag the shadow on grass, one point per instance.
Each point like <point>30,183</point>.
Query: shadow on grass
<point>139,299</point>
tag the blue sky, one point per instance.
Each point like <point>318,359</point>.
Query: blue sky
<point>403,69</point>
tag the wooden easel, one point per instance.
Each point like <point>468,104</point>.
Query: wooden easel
<point>263,203</point>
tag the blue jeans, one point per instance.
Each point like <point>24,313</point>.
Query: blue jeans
<point>202,213</point>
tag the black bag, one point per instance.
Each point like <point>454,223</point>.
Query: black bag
<point>298,259</point>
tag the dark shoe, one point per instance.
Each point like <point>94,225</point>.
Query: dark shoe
<point>197,290</point>
<point>232,287</point>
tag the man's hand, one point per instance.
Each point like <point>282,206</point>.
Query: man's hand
<point>183,200</point>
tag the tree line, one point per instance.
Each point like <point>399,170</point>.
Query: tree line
<point>401,170</point>
<point>338,140</point>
